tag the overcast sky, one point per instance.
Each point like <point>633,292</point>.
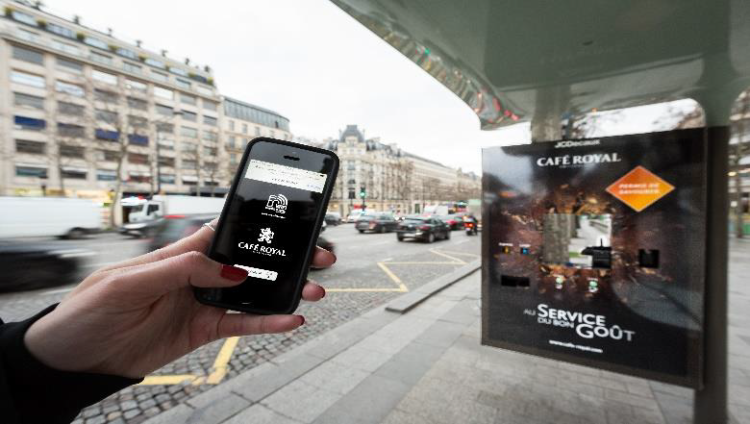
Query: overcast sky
<point>309,61</point>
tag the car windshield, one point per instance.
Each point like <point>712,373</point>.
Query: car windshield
<point>415,220</point>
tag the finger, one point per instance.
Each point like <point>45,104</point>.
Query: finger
<point>312,292</point>
<point>232,325</point>
<point>188,269</point>
<point>198,241</point>
<point>323,258</point>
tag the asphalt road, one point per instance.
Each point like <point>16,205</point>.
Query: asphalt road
<point>371,270</point>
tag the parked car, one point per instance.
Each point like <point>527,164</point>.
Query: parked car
<point>30,265</point>
<point>426,229</point>
<point>333,218</point>
<point>376,222</point>
<point>49,217</point>
<point>175,227</point>
<point>353,216</point>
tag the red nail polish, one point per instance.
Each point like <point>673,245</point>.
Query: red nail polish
<point>301,319</point>
<point>233,273</point>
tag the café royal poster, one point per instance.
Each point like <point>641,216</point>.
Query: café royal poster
<point>594,252</point>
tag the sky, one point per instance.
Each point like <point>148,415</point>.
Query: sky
<point>314,64</point>
<point>309,61</point>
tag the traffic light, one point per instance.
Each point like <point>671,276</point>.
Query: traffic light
<point>362,192</point>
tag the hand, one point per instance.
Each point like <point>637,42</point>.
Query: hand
<point>136,316</point>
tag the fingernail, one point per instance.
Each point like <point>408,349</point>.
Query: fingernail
<point>233,273</point>
<point>324,294</point>
<point>334,257</point>
<point>301,320</point>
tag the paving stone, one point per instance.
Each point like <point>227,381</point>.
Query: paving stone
<point>301,401</point>
<point>219,410</point>
<point>335,378</point>
<point>178,414</point>
<point>96,420</point>
<point>369,402</point>
<point>411,363</point>
<point>362,359</point>
<point>259,414</point>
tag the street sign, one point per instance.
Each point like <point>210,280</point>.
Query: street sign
<point>594,252</point>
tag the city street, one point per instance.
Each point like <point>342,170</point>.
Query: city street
<point>371,270</point>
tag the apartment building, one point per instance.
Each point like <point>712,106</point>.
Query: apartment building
<point>241,122</point>
<point>392,179</point>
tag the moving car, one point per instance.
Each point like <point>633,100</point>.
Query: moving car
<point>353,216</point>
<point>333,218</point>
<point>422,228</point>
<point>49,216</point>
<point>161,205</point>
<point>30,265</point>
<point>376,222</point>
<point>455,221</point>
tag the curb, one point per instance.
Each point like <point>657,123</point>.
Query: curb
<point>409,301</point>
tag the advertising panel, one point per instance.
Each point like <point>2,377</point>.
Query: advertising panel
<point>593,252</point>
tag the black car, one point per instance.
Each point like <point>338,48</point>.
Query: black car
<point>30,265</point>
<point>175,227</point>
<point>333,218</point>
<point>426,229</point>
<point>376,222</point>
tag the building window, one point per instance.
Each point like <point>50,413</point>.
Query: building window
<point>106,116</point>
<point>233,159</point>
<point>29,124</point>
<point>101,58</point>
<point>126,53</point>
<point>31,171</point>
<point>163,93</point>
<point>159,76</point>
<point>66,48</point>
<point>182,83</point>
<point>27,79</point>
<point>138,139</point>
<point>166,161</point>
<point>104,77</point>
<point>74,173</point>
<point>155,63</point>
<point>106,175</point>
<point>107,135</point>
<point>257,131</point>
<point>69,151</point>
<point>189,180</point>
<point>189,116</point>
<point>71,130</point>
<point>28,55</point>
<point>189,164</point>
<point>167,178</point>
<point>188,99</point>
<point>351,165</point>
<point>70,109</point>
<point>231,125</point>
<point>61,30</point>
<point>209,105</point>
<point>244,128</point>
<point>188,146</point>
<point>205,90</point>
<point>23,17</point>
<point>210,136</point>
<point>210,151</point>
<point>166,144</point>
<point>165,128</point>
<point>137,104</point>
<point>32,147</point>
<point>178,71</point>
<point>27,100</point>
<point>132,68</point>
<point>164,110</point>
<point>27,35</point>
<point>189,132</point>
<point>108,155</point>
<point>95,42</point>
<point>139,177</point>
<point>137,121</point>
<point>68,88</point>
<point>136,85</point>
<point>105,96</point>
<point>69,65</point>
<point>210,120</point>
<point>232,141</point>
<point>137,158</point>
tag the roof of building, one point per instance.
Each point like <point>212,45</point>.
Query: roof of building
<point>352,130</point>
<point>250,105</point>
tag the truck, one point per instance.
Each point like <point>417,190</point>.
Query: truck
<point>49,217</point>
<point>162,205</point>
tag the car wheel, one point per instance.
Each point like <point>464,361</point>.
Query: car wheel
<point>400,238</point>
<point>75,233</point>
<point>431,238</point>
<point>382,229</point>
<point>361,231</point>
<point>447,235</point>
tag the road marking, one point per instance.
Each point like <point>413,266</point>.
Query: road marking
<point>222,361</point>
<point>393,277</point>
<point>445,255</point>
<point>155,380</point>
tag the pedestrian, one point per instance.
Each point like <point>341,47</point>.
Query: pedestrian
<point>120,324</point>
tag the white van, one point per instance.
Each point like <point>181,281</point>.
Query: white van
<point>48,216</point>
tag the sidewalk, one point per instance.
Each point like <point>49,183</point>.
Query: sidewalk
<point>427,366</point>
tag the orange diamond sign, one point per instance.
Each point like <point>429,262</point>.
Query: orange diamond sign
<point>640,188</point>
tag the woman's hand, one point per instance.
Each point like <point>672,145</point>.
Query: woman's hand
<point>134,317</point>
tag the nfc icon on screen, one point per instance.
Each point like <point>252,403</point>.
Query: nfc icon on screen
<point>277,203</point>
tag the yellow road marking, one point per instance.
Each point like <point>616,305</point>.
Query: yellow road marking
<point>153,380</point>
<point>365,290</point>
<point>445,255</point>
<point>222,361</point>
<point>393,277</point>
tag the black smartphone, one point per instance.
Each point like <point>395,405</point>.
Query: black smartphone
<point>270,224</point>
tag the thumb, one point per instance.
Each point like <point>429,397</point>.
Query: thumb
<point>188,269</point>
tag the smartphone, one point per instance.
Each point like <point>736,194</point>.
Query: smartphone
<point>270,224</point>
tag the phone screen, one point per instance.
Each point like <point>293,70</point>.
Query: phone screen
<point>268,225</point>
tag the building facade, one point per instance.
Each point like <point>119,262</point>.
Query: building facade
<point>84,114</point>
<point>392,179</point>
<point>241,122</point>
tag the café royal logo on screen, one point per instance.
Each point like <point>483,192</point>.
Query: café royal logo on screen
<point>265,236</point>
<point>587,326</point>
<point>565,161</point>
